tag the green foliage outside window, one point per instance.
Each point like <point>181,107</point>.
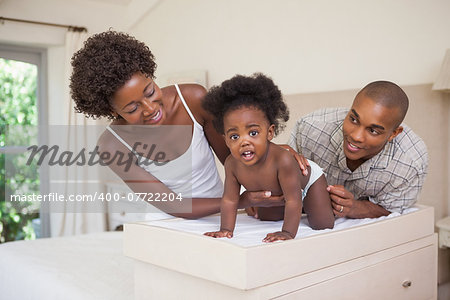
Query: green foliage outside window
<point>18,86</point>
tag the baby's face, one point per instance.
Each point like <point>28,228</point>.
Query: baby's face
<point>247,134</point>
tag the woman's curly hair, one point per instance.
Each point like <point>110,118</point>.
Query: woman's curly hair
<point>257,91</point>
<point>102,66</point>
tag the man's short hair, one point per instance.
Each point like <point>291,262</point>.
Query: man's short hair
<point>389,95</point>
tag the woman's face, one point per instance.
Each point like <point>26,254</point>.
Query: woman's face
<point>139,101</point>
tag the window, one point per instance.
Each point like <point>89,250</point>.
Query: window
<point>23,103</point>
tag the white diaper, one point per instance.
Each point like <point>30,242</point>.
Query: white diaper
<point>316,172</point>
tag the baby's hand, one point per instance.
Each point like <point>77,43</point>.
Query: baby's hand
<point>220,234</point>
<point>277,236</point>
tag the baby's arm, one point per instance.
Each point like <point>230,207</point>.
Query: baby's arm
<point>289,176</point>
<point>317,204</point>
<point>228,204</point>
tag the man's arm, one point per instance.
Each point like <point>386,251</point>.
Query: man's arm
<point>390,199</point>
<point>345,205</point>
<point>397,199</point>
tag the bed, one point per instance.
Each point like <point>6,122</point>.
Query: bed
<point>391,257</point>
<point>87,267</point>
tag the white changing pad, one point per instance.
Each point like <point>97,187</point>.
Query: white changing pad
<point>250,231</point>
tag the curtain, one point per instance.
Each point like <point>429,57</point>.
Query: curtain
<point>75,217</point>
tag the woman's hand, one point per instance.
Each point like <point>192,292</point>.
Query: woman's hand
<point>302,161</point>
<point>220,234</point>
<point>251,200</point>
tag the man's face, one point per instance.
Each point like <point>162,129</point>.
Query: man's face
<point>367,128</point>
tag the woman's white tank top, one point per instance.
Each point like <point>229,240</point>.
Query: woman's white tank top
<point>194,173</point>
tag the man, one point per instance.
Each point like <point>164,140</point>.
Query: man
<point>374,164</point>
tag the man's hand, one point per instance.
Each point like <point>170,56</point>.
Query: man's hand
<point>251,200</point>
<point>345,205</point>
<point>342,201</point>
<point>302,161</point>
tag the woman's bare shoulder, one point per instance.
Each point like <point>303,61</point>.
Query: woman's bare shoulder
<point>108,142</point>
<point>192,92</point>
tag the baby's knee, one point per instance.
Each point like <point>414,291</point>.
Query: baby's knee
<point>325,223</point>
<point>271,213</point>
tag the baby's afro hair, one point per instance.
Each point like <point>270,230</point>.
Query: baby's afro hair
<point>102,66</point>
<point>257,91</point>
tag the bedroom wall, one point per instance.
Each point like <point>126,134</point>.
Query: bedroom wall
<point>306,46</point>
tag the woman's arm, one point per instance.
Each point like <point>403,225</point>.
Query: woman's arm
<point>140,181</point>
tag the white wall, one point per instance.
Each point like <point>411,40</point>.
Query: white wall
<point>94,16</point>
<point>306,46</point>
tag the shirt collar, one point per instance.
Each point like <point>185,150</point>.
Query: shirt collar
<point>382,159</point>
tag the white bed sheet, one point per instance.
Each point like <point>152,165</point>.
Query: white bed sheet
<point>81,267</point>
<point>250,232</point>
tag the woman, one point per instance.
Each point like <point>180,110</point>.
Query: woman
<point>113,77</point>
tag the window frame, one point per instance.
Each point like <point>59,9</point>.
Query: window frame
<point>36,56</point>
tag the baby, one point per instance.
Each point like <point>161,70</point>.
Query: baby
<point>249,112</point>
